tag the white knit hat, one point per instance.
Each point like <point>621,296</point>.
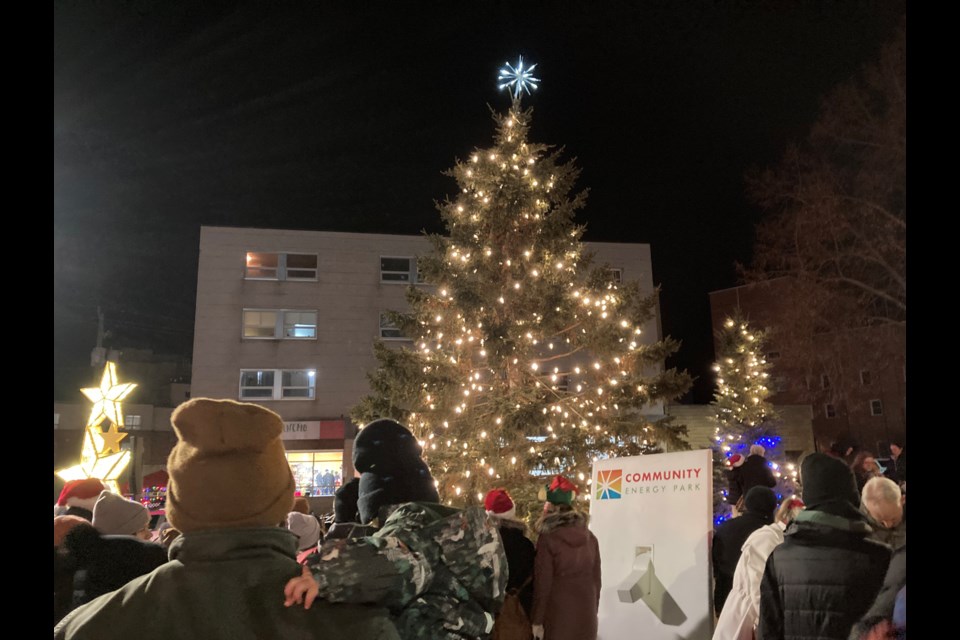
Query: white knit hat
<point>115,515</point>
<point>306,527</point>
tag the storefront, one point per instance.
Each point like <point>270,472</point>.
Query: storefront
<point>319,454</point>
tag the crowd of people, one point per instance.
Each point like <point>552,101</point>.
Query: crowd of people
<point>248,559</point>
<point>831,564</point>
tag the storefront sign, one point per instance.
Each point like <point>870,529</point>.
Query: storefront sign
<point>306,430</point>
<point>313,430</point>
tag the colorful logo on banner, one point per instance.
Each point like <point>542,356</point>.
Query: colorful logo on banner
<point>609,484</point>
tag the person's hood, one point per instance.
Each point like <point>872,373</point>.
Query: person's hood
<point>568,526</point>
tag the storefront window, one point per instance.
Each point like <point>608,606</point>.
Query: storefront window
<point>317,473</point>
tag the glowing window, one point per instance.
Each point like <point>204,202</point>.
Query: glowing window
<point>262,265</point>
<point>286,324</point>
<point>317,473</point>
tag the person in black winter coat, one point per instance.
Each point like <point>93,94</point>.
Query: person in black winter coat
<point>102,564</point>
<point>729,537</point>
<point>521,554</point>
<point>754,472</point>
<point>882,610</point>
<point>113,551</point>
<point>826,574</point>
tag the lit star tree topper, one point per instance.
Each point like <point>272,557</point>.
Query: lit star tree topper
<point>517,78</point>
<point>100,454</point>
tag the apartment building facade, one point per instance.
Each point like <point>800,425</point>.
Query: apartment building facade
<point>855,380</point>
<point>287,319</point>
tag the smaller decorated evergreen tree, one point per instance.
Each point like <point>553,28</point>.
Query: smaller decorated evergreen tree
<point>742,411</point>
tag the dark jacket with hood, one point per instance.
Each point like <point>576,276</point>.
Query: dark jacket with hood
<point>567,578</point>
<point>102,564</point>
<point>521,555</point>
<point>823,577</point>
<point>441,571</point>
<point>729,537</point>
<point>883,606</point>
<point>754,472</point>
<point>225,583</point>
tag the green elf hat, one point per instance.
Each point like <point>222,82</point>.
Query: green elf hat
<point>559,491</point>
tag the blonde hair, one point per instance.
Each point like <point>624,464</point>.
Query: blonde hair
<point>757,449</point>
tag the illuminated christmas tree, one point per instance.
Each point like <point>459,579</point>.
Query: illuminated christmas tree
<point>742,411</point>
<point>527,360</point>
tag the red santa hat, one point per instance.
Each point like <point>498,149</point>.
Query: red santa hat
<point>81,493</point>
<point>499,503</point>
<point>735,460</point>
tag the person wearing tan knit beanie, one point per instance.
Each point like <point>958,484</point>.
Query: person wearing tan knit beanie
<point>228,468</point>
<point>229,493</point>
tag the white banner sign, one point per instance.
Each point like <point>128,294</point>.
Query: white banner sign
<point>652,516</point>
<point>306,430</point>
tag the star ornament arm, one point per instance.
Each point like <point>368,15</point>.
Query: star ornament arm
<point>107,397</point>
<point>518,78</point>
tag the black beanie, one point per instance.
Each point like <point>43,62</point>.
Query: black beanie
<point>761,501</point>
<point>345,502</point>
<point>827,479</point>
<point>387,456</point>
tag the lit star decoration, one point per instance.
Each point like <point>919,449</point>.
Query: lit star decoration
<point>517,78</point>
<point>96,459</point>
<point>109,439</point>
<point>107,397</point>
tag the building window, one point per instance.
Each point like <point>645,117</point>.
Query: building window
<point>389,330</point>
<point>56,420</point>
<point>257,384</point>
<point>271,324</point>
<point>824,381</point>
<point>259,324</point>
<point>132,422</point>
<point>300,324</point>
<point>563,383</point>
<point>316,473</point>
<point>615,275</point>
<point>398,269</point>
<point>830,411</point>
<point>876,408</point>
<point>298,383</point>
<point>773,355</point>
<point>263,265</point>
<point>865,377</point>
<point>301,266</point>
<point>278,384</point>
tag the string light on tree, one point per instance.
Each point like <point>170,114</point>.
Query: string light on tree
<point>528,354</point>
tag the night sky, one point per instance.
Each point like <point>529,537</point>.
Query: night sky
<point>342,116</point>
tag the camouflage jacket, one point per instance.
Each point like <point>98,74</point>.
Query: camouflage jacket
<point>441,572</point>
